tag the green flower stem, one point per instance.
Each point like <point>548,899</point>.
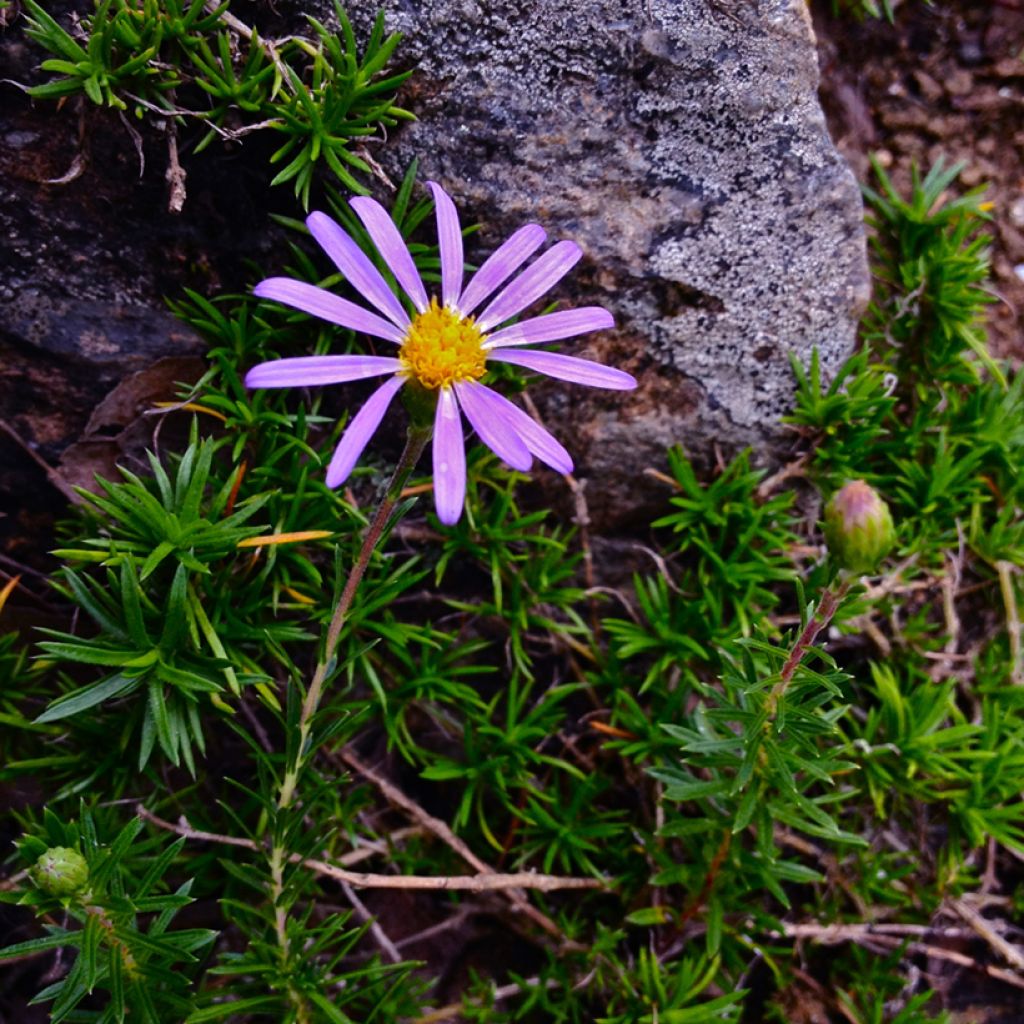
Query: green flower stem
<point>415,443</point>
<point>829,604</point>
<point>1005,570</point>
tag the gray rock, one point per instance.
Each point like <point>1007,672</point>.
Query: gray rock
<point>682,145</point>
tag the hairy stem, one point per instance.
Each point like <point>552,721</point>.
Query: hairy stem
<point>415,442</point>
<point>829,604</point>
<point>279,855</point>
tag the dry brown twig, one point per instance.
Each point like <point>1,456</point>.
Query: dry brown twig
<point>378,933</point>
<point>182,828</point>
<point>867,626</point>
<point>664,478</point>
<point>827,860</point>
<point>455,920</point>
<point>1009,952</point>
<point>792,469</point>
<point>949,585</point>
<point>175,173</point>
<point>440,829</point>
<point>16,879</point>
<point>661,565</point>
<point>240,28</point>
<point>492,882</point>
<point>80,160</point>
<point>378,172</point>
<point>894,936</point>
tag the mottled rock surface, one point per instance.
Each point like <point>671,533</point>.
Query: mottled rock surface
<point>681,143</point>
<point>83,271</point>
<point>88,253</point>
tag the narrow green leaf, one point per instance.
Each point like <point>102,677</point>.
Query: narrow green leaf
<point>161,721</point>
<point>157,555</point>
<point>176,623</point>
<point>91,934</point>
<point>55,941</point>
<point>87,697</point>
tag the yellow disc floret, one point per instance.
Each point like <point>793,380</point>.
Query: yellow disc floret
<point>440,348</point>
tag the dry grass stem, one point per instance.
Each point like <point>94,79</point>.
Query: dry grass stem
<point>489,882</point>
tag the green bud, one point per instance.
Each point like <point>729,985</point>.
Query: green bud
<point>60,871</point>
<point>420,402</point>
<point>858,527</point>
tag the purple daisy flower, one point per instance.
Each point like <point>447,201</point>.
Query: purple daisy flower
<point>445,346</point>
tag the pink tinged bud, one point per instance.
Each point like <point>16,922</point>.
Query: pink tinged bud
<point>858,527</point>
<point>60,871</point>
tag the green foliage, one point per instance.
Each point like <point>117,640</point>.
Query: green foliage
<point>746,747</point>
<point>732,550</point>
<point>531,569</point>
<point>847,415</point>
<point>116,928</point>
<point>145,652</point>
<point>161,537</point>
<point>183,59</point>
<point>120,52</point>
<point>861,9</point>
<point>872,993</point>
<point>919,749</point>
<point>907,414</point>
<point>648,993</point>
<point>739,541</point>
<point>298,963</point>
<point>341,103</point>
<point>162,518</point>
<point>931,262</point>
<point>757,751</point>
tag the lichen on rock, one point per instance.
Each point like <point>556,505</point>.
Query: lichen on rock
<point>682,144</point>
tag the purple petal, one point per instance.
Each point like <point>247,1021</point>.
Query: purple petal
<point>533,435</point>
<point>449,459</point>
<point>321,303</point>
<point>449,238</point>
<point>359,431</point>
<point>489,421</point>
<point>501,265</point>
<point>538,278</point>
<point>310,371</point>
<point>568,323</point>
<point>356,266</point>
<point>381,228</point>
<point>578,371</point>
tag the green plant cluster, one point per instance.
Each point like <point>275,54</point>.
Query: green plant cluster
<point>191,63</point>
<point>869,8</point>
<point>117,916</point>
<point>734,753</point>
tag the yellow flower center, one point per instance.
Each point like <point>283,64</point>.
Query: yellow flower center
<point>440,349</point>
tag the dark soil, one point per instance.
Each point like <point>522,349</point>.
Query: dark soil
<point>945,81</point>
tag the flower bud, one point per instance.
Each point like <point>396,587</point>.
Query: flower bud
<point>420,403</point>
<point>858,527</point>
<point>60,871</point>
